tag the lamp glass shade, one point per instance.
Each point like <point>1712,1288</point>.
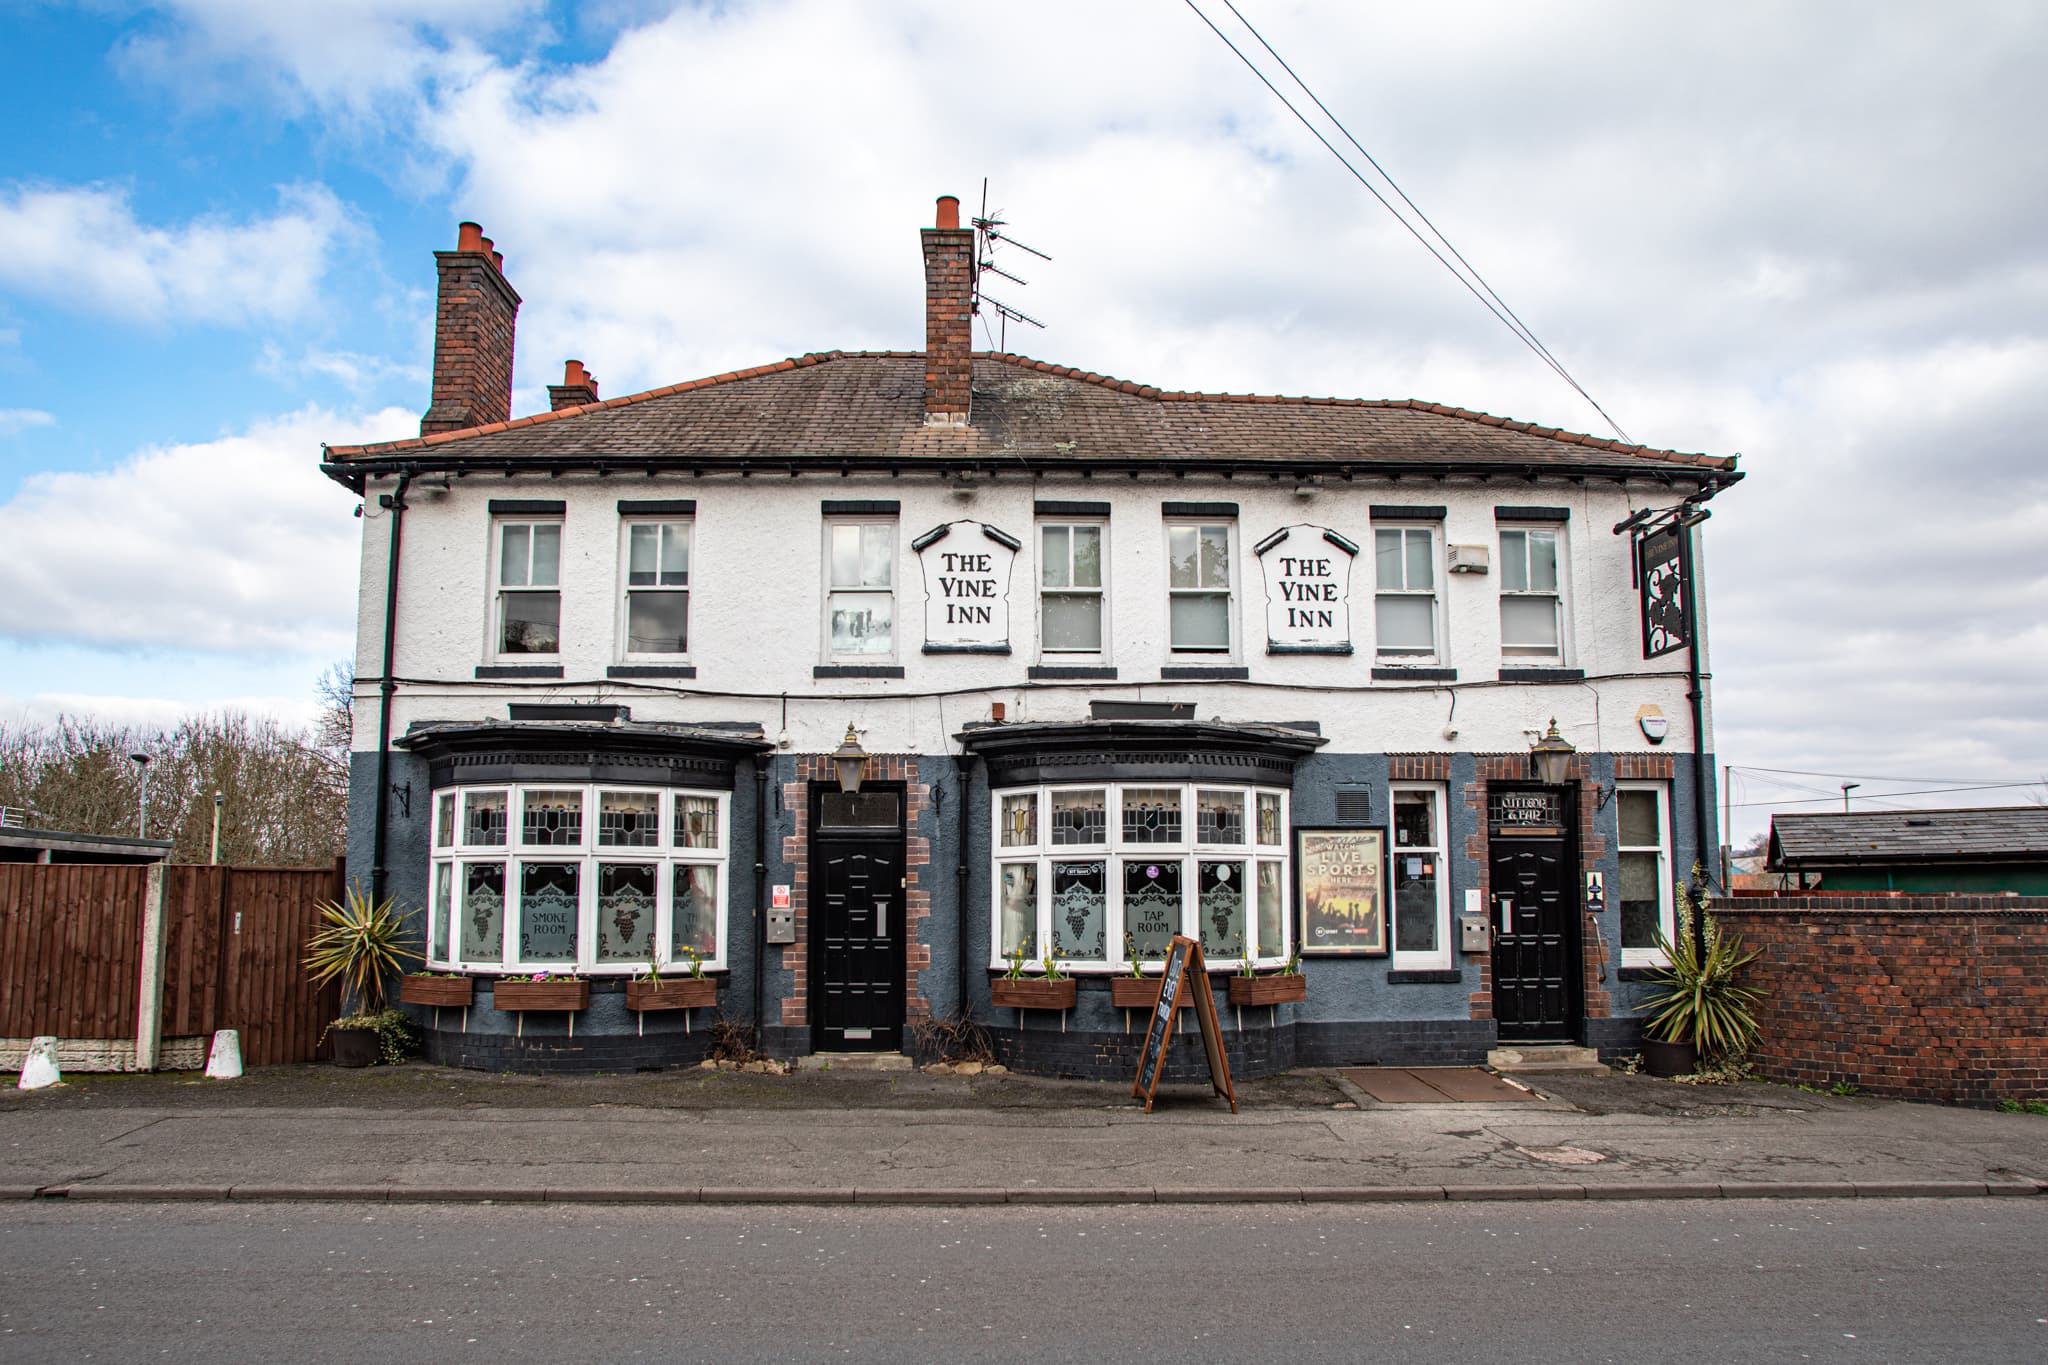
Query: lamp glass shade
<point>848,760</point>
<point>1552,757</point>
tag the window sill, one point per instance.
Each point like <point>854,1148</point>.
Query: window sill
<point>1413,673</point>
<point>967,649</point>
<point>857,671</point>
<point>1071,673</point>
<point>519,671</point>
<point>1445,976</point>
<point>1543,674</point>
<point>651,671</point>
<point>1344,648</point>
<point>1641,973</point>
<point>1203,673</point>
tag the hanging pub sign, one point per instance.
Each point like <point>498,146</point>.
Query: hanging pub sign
<point>1308,590</point>
<point>1665,567</point>
<point>966,587</point>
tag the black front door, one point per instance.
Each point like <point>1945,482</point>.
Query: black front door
<point>857,938</point>
<point>1533,876</point>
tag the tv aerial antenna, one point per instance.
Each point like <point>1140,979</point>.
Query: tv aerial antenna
<point>988,235</point>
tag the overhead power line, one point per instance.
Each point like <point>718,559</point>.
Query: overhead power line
<point>1890,796</point>
<point>1872,777</point>
<point>1475,284</point>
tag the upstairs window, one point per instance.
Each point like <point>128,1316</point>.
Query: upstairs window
<point>1530,609</point>
<point>528,587</point>
<point>1070,588</point>
<point>1198,587</point>
<point>860,595</point>
<point>1404,603</point>
<point>657,590</point>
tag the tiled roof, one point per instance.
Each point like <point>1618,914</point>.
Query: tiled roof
<point>868,407</point>
<point>1910,836</point>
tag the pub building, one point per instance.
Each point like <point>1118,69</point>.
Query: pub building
<point>864,689</point>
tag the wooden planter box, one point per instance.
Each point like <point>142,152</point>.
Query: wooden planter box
<point>451,992</point>
<point>541,995</point>
<point>1032,993</point>
<point>1131,993</point>
<point>1268,990</point>
<point>673,993</point>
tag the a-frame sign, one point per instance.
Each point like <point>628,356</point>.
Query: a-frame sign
<point>1184,972</point>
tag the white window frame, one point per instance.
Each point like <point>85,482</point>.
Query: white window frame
<point>1667,909</point>
<point>1100,526</point>
<point>1526,653</point>
<point>1412,961</point>
<point>1228,592</point>
<point>628,588</point>
<point>1114,852</point>
<point>499,588</point>
<point>834,590</point>
<point>1380,590</point>
<point>449,852</point>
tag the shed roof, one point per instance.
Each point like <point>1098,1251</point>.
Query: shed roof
<point>1981,834</point>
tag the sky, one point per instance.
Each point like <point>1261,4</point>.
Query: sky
<point>1811,235</point>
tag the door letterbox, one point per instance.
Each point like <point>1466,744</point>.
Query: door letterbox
<point>1472,933</point>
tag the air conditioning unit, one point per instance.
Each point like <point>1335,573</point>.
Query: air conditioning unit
<point>1469,558</point>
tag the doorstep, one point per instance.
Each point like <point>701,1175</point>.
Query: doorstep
<point>1579,1061</point>
<point>854,1061</point>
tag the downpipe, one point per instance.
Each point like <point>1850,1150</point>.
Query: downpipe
<point>394,502</point>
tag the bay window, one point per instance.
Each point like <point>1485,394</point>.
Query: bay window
<point>1094,874</point>
<point>577,878</point>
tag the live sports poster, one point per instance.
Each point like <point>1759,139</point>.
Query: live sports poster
<point>1341,876</point>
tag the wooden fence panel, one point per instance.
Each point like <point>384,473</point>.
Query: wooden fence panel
<point>194,910</point>
<point>70,956</point>
<point>264,988</point>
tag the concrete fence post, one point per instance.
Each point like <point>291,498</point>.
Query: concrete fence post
<point>149,1009</point>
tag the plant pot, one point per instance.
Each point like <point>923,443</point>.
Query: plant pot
<point>541,995</point>
<point>1277,989</point>
<point>1032,993</point>
<point>673,993</point>
<point>1138,993</point>
<point>1669,1059</point>
<point>354,1046</point>
<point>449,992</point>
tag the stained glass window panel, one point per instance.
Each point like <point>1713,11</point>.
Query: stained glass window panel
<point>1020,820</point>
<point>548,905</point>
<point>1080,910</point>
<point>444,820</point>
<point>1152,894</point>
<point>1269,819</point>
<point>1219,817</point>
<point>696,822</point>
<point>629,819</point>
<point>551,819</point>
<point>625,911</point>
<point>483,818</point>
<point>1080,817</point>
<point>1152,815</point>
<point>1221,909</point>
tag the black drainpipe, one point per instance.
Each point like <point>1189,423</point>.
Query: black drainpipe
<point>395,503</point>
<point>760,888</point>
<point>1697,696</point>
<point>965,762</point>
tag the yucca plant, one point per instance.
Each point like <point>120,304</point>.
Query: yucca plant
<point>359,943</point>
<point>1703,1002</point>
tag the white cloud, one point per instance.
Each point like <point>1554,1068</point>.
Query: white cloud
<point>238,544</point>
<point>148,713</point>
<point>83,248</point>
<point>354,371</point>
<point>16,420</point>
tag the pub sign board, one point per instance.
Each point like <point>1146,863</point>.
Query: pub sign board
<point>1665,563</point>
<point>1308,590</point>
<point>1340,875</point>
<point>966,568</point>
<point>1526,812</point>
<point>1185,973</point>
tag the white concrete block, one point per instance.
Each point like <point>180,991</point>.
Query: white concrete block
<point>224,1063</point>
<point>41,1067</point>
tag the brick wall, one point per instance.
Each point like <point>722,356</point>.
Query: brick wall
<point>1918,997</point>
<point>948,316</point>
<point>473,326</point>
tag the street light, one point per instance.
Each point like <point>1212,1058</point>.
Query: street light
<point>1552,756</point>
<point>847,760</point>
<point>141,762</point>
<point>1848,787</point>
<point>219,800</point>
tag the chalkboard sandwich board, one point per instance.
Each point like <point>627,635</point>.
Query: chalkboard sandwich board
<point>1184,979</point>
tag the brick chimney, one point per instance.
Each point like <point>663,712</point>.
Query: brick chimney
<point>578,387</point>
<point>949,268</point>
<point>472,337</point>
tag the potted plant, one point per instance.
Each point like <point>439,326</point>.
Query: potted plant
<point>1284,987</point>
<point>358,944</point>
<point>652,991</point>
<point>1702,1012</point>
<point>1052,991</point>
<point>1135,991</point>
<point>541,991</point>
<point>446,990</point>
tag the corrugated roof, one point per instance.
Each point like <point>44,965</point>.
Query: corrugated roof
<point>1981,834</point>
<point>868,407</point>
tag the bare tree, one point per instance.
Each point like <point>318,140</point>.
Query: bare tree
<point>334,725</point>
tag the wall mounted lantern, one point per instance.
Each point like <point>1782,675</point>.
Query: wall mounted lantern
<point>847,760</point>
<point>1552,757</point>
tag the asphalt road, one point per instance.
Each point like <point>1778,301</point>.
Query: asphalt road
<point>1835,1280</point>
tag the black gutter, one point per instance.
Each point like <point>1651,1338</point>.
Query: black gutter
<point>386,685</point>
<point>760,889</point>
<point>965,763</point>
